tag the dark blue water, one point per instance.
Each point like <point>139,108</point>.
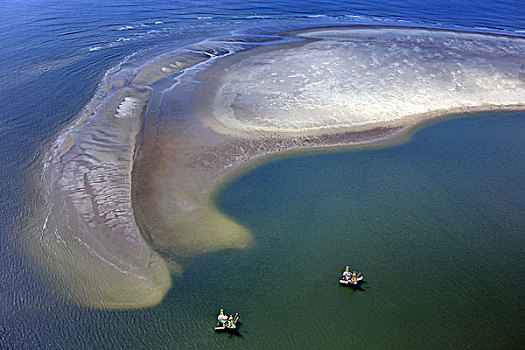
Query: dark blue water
<point>53,55</point>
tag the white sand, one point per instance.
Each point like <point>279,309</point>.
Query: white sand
<point>358,78</point>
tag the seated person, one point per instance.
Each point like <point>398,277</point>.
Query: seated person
<point>230,322</point>
<point>354,278</point>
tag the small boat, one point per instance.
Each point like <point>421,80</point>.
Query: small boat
<point>351,279</point>
<point>228,325</point>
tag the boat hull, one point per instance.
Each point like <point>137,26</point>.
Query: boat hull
<point>351,284</point>
<point>222,329</point>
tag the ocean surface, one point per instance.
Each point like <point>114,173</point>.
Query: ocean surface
<point>435,224</point>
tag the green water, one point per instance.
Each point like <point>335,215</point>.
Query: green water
<point>437,226</point>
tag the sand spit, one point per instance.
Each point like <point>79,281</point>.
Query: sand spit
<point>98,250</point>
<point>174,189</point>
<point>336,88</point>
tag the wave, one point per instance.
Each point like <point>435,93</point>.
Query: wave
<point>126,28</point>
<point>276,22</point>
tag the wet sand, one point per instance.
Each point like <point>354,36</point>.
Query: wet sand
<point>90,233</point>
<point>179,161</point>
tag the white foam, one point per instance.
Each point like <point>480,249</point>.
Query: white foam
<point>126,28</point>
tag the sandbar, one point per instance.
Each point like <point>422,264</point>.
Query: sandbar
<point>130,189</point>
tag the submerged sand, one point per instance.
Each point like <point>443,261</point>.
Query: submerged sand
<point>337,87</point>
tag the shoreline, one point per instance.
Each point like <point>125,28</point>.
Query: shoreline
<point>389,137</point>
<point>408,27</point>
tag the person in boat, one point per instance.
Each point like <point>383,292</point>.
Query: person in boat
<point>354,278</point>
<point>347,274</point>
<point>230,322</point>
<point>222,318</point>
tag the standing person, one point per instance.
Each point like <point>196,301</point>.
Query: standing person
<point>347,274</point>
<point>222,318</point>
